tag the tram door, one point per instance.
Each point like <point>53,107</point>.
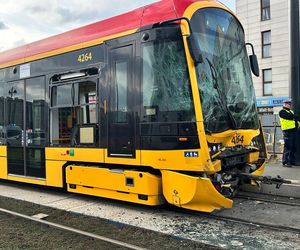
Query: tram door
<point>35,127</point>
<point>25,127</point>
<point>120,113</point>
<point>14,92</point>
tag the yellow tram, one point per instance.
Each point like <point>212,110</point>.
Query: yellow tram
<point>156,105</point>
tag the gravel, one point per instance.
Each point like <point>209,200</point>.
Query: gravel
<point>18,233</point>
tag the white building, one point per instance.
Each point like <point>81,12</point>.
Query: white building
<point>267,27</point>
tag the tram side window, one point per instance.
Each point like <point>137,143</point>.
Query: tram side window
<point>86,102</point>
<point>61,114</point>
<point>120,115</point>
<point>14,92</point>
<point>86,130</point>
<point>62,95</point>
<point>167,92</point>
<point>2,125</point>
<point>74,119</point>
<point>36,115</point>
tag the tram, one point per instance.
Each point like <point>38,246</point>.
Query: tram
<point>153,106</point>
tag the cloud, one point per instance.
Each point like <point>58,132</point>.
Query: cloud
<point>78,13</point>
<point>31,20</point>
<point>18,43</point>
<point>25,21</point>
<point>3,26</point>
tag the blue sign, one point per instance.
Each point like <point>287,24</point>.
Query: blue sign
<point>191,154</point>
<point>270,101</point>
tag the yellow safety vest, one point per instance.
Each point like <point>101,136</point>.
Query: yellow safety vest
<point>287,124</point>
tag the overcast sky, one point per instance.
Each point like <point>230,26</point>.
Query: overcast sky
<point>25,21</point>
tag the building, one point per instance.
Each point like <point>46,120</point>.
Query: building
<point>267,27</point>
<point>272,26</point>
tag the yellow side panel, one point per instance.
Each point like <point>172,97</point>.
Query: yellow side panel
<point>151,200</point>
<point>3,168</point>
<point>80,154</point>
<point>54,173</point>
<point>173,160</point>
<point>3,151</point>
<point>192,192</point>
<point>116,184</point>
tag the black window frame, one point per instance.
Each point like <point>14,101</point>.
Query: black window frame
<point>263,44</point>
<point>266,82</point>
<point>265,8</point>
<point>74,105</point>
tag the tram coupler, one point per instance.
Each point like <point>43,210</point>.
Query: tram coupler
<point>278,180</point>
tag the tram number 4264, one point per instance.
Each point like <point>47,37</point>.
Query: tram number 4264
<point>85,57</point>
<point>237,139</point>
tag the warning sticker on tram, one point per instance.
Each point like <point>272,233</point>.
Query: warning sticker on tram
<point>191,154</point>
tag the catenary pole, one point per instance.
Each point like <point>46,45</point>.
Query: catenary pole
<point>295,66</point>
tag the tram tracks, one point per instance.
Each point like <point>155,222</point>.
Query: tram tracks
<point>245,222</point>
<point>273,199</point>
<point>253,223</point>
<point>260,198</point>
<point>73,230</point>
<point>219,217</point>
<point>232,225</point>
<point>91,230</point>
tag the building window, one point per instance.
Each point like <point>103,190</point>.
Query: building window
<point>265,10</point>
<point>267,82</point>
<point>266,44</point>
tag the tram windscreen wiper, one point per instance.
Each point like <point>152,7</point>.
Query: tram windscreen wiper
<point>221,95</point>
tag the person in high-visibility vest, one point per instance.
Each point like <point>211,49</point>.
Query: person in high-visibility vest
<point>289,126</point>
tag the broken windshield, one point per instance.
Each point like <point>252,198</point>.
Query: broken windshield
<point>221,39</point>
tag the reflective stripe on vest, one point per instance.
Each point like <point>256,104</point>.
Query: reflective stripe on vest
<point>287,124</point>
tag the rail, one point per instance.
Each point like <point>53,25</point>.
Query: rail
<point>70,229</point>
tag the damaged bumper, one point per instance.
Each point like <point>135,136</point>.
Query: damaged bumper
<point>192,192</point>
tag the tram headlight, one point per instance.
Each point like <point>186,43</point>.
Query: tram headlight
<point>214,148</point>
<point>255,142</point>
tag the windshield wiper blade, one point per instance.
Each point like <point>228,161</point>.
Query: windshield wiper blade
<point>221,95</point>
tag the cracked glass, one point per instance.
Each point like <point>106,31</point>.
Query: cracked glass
<point>167,94</point>
<point>224,78</point>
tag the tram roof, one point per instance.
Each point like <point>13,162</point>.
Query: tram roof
<point>80,37</point>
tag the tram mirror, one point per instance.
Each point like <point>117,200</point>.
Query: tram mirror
<point>253,60</point>
<point>194,49</point>
<point>254,65</point>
